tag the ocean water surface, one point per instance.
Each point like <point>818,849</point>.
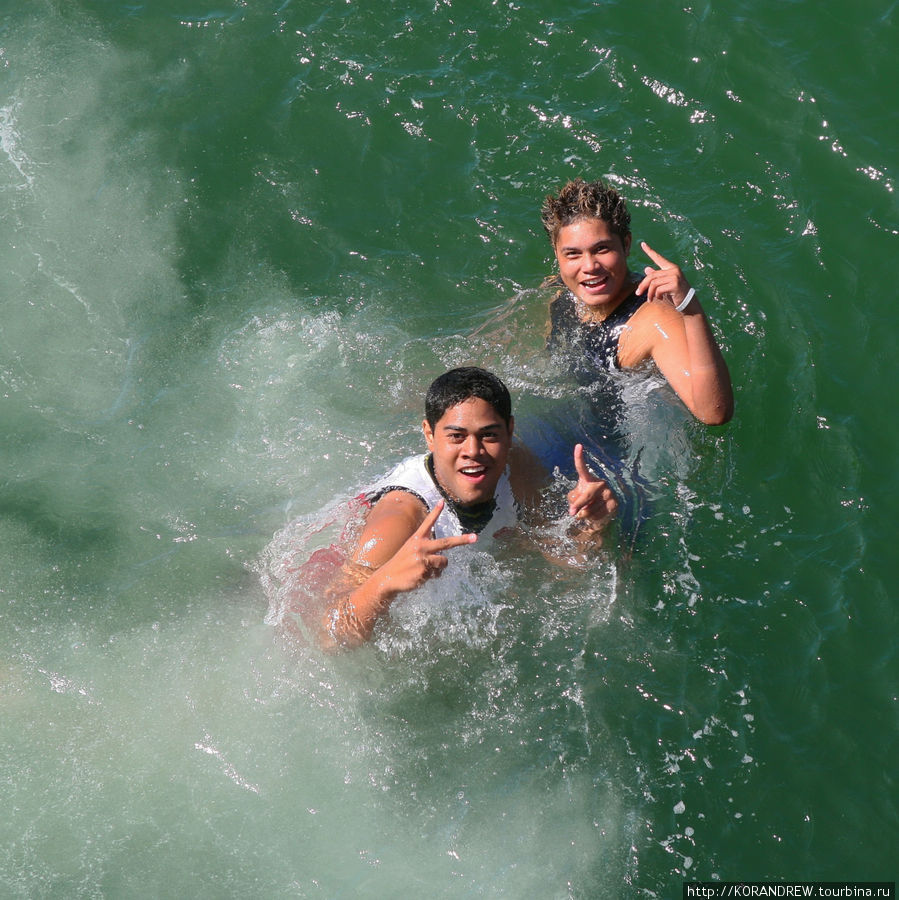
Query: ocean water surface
<point>239,242</point>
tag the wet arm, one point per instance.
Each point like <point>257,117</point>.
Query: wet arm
<point>698,373</point>
<point>398,548</point>
<point>363,592</point>
<point>680,342</point>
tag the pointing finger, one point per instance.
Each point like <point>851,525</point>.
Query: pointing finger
<point>456,540</point>
<point>657,258</point>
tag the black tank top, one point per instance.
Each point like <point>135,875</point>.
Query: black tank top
<point>593,342</point>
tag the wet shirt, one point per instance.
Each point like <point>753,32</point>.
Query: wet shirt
<point>415,475</point>
<point>595,343</point>
<point>589,353</point>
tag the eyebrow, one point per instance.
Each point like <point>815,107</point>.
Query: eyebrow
<point>605,242</point>
<point>486,428</point>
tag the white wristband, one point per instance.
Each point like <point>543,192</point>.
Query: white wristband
<point>686,301</point>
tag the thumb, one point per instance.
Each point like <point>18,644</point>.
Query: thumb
<point>583,473</point>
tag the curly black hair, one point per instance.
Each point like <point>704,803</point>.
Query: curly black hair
<point>580,199</point>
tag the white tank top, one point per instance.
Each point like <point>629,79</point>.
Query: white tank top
<point>412,475</point>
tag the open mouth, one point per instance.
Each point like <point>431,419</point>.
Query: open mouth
<point>595,284</point>
<point>473,473</point>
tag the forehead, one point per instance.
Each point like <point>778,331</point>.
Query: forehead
<point>473,414</point>
<point>585,233</point>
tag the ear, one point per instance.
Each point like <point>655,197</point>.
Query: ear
<point>627,244</point>
<point>428,433</point>
<point>511,425</point>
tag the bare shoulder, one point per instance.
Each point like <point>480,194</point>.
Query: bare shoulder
<point>388,525</point>
<point>527,475</point>
<point>399,505</point>
<point>653,323</point>
<point>653,313</point>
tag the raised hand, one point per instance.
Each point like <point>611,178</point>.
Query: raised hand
<point>591,501</point>
<point>667,282</point>
<point>421,556</point>
<point>370,586</point>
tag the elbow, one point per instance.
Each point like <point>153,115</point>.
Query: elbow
<point>719,415</point>
<point>717,407</point>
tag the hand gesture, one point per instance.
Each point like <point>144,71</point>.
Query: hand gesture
<point>667,282</point>
<point>591,501</point>
<point>421,557</point>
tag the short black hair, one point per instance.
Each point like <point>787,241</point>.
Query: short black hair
<point>459,385</point>
<point>580,199</point>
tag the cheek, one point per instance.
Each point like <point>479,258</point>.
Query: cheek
<point>443,458</point>
<point>500,455</point>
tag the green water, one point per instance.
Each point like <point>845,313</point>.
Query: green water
<point>239,242</point>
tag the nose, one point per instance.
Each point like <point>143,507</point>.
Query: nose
<point>472,445</point>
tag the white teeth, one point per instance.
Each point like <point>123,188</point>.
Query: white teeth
<point>473,470</point>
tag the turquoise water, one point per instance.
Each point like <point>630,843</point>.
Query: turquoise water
<point>239,243</point>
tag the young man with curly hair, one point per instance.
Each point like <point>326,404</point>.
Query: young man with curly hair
<point>617,319</point>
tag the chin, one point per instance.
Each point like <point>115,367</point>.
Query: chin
<point>595,302</point>
<point>470,498</point>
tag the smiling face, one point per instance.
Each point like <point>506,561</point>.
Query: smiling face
<point>470,444</point>
<point>593,266</point>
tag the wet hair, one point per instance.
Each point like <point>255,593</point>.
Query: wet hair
<point>585,200</point>
<point>459,385</point>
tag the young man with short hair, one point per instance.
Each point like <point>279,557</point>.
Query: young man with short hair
<point>465,489</point>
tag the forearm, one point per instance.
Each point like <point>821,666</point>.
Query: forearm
<point>396,553</point>
<point>354,608</point>
<point>711,389</point>
<point>692,363</point>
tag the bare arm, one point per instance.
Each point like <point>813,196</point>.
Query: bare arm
<point>681,343</point>
<point>396,553</point>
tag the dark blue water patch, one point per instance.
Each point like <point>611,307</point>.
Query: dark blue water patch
<point>551,428</point>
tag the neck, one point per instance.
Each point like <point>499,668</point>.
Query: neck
<point>590,315</point>
<point>471,516</point>
<point>593,315</point>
